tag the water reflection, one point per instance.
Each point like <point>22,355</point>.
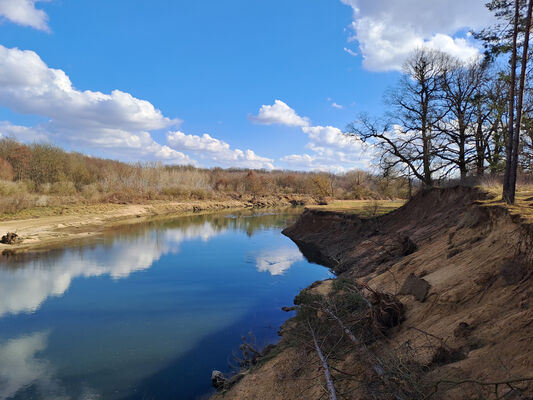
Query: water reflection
<point>25,287</point>
<point>146,311</point>
<point>277,261</point>
<point>20,367</point>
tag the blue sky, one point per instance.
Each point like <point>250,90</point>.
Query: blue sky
<point>272,83</point>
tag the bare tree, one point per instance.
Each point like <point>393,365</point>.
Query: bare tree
<point>491,123</point>
<point>462,85</point>
<point>408,139</point>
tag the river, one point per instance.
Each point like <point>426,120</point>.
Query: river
<point>147,311</point>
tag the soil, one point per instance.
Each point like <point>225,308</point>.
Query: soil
<point>466,283</point>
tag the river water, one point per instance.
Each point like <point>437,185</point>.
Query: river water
<point>146,312</point>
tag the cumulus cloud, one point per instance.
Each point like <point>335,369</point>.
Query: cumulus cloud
<point>337,106</point>
<point>332,151</point>
<point>314,162</point>
<point>23,133</point>
<point>115,125</point>
<point>329,137</point>
<point>278,113</point>
<point>388,31</point>
<point>118,124</point>
<point>217,151</point>
<point>23,12</point>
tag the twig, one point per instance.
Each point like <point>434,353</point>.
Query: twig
<point>475,381</point>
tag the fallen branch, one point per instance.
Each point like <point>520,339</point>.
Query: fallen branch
<point>327,373</point>
<point>476,382</point>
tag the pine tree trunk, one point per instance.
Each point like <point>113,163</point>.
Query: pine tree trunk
<point>510,136</point>
<point>480,149</point>
<point>521,90</point>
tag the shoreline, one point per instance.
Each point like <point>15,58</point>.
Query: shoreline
<point>49,228</point>
<point>48,232</point>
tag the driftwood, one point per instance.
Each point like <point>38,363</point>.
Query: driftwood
<point>327,373</point>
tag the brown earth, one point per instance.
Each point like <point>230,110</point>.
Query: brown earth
<point>460,263</point>
<point>54,228</point>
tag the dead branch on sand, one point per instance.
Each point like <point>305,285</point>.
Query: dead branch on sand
<point>323,360</point>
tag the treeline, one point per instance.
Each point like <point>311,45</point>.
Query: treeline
<point>448,118</point>
<point>43,174</point>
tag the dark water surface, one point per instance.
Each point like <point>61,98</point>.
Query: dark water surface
<point>146,312</point>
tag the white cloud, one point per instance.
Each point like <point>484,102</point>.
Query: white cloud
<point>350,52</point>
<point>29,86</point>
<point>277,261</point>
<point>332,138</point>
<point>23,12</point>
<point>217,151</point>
<point>22,133</point>
<point>116,124</point>
<point>387,31</point>
<point>333,151</point>
<point>279,113</point>
<point>313,162</point>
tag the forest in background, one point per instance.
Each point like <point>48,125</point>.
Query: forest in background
<point>40,175</point>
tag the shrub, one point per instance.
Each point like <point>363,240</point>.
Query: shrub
<point>44,169</point>
<point>6,170</point>
<point>63,188</point>
<point>16,202</point>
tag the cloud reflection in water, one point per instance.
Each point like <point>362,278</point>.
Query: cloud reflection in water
<point>277,261</point>
<point>24,288</point>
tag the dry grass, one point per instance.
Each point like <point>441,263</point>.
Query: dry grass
<point>40,175</point>
<point>56,210</point>
<point>363,208</point>
<point>523,201</point>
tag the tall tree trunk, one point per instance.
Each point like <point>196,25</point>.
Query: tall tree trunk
<point>463,169</point>
<point>510,136</point>
<point>428,181</point>
<point>426,138</point>
<point>480,147</point>
<point>521,90</point>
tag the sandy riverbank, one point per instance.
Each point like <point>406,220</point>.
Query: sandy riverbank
<point>81,222</point>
